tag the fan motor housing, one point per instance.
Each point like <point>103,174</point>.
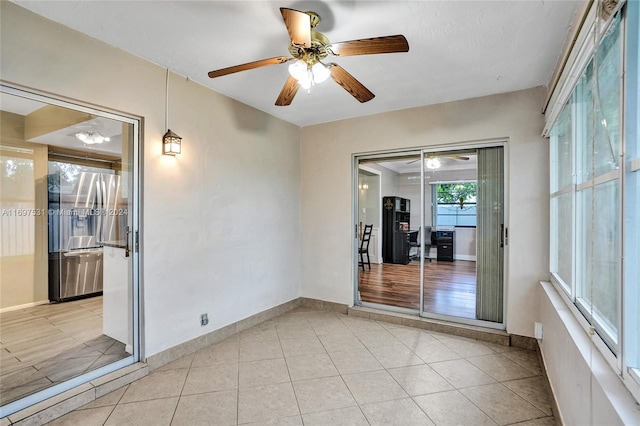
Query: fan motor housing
<point>315,53</point>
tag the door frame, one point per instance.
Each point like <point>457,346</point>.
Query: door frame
<point>136,209</point>
<point>379,239</point>
<point>421,151</point>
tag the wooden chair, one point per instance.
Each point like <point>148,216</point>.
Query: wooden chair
<point>364,246</point>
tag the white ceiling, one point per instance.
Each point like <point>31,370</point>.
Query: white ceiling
<point>458,49</point>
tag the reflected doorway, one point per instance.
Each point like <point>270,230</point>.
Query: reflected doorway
<point>428,236</point>
<point>69,208</point>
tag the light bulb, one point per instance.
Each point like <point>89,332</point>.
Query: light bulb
<point>306,82</point>
<point>320,73</point>
<point>298,70</point>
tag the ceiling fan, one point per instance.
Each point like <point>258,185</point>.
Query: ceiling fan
<point>308,48</point>
<point>451,156</point>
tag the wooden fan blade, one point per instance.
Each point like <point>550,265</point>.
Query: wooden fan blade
<point>350,84</point>
<point>456,157</point>
<point>288,91</point>
<point>298,25</point>
<point>369,46</point>
<point>250,65</point>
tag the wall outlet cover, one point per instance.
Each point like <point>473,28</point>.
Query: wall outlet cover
<point>538,331</point>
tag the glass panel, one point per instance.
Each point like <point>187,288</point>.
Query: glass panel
<point>449,287</point>
<point>584,242</point>
<point>632,273</point>
<point>388,227</point>
<point>600,254</point>
<point>606,255</point>
<point>599,110</point>
<point>632,191</point>
<point>561,161</point>
<point>66,289</point>
<point>456,203</point>
<point>563,238</point>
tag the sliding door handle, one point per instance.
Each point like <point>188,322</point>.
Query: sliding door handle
<point>126,249</point>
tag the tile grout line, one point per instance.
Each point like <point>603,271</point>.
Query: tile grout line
<point>284,358</point>
<point>186,377</point>
<point>391,375</point>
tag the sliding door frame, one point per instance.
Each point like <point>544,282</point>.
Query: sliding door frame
<point>135,268</point>
<point>422,152</point>
<point>461,320</point>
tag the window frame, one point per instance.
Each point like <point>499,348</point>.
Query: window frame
<point>434,205</point>
<point>583,52</point>
<point>592,321</point>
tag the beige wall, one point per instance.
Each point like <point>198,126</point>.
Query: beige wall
<point>221,228</point>
<point>326,156</point>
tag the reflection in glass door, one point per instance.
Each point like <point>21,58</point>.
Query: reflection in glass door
<point>449,200</point>
<point>438,222</point>
<point>463,204</point>
<point>68,286</point>
<point>388,206</point>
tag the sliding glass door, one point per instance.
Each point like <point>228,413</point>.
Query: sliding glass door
<point>440,244</point>
<point>69,285</point>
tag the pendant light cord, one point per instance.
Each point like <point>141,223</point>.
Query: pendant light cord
<point>166,101</point>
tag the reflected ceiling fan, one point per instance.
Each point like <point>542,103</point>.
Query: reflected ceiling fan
<point>434,161</point>
<point>452,156</point>
<point>308,48</point>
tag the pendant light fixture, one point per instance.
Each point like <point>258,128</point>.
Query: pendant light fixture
<point>171,142</point>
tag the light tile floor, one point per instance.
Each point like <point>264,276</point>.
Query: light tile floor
<point>323,368</point>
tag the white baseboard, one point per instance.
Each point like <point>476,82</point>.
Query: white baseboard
<point>465,257</point>
<point>26,305</point>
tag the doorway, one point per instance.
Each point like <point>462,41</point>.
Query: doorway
<point>440,238</point>
<point>69,222</point>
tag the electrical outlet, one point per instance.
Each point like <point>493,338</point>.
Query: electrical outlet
<point>204,320</point>
<point>538,331</point>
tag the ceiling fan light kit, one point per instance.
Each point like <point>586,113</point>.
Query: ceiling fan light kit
<point>91,138</point>
<point>308,48</point>
<point>308,76</point>
<point>432,163</point>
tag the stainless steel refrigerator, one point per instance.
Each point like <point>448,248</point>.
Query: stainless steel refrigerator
<point>83,215</point>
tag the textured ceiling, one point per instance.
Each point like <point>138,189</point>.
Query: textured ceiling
<point>458,49</point>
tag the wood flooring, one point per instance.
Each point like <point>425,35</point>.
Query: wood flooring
<point>450,287</point>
